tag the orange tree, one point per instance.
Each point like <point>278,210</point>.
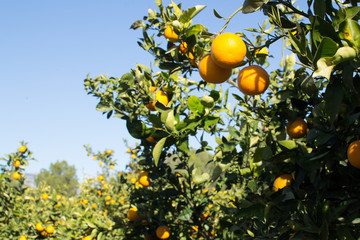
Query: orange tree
<point>281,153</point>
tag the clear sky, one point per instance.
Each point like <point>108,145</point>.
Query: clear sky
<point>46,50</point>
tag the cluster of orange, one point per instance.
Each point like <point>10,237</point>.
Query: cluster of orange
<point>162,232</point>
<point>16,175</point>
<point>228,51</point>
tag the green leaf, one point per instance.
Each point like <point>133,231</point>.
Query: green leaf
<point>250,6</point>
<point>217,14</point>
<point>137,129</point>
<point>190,13</point>
<point>326,65</point>
<point>234,133</point>
<point>282,96</point>
<point>350,32</point>
<point>333,99</point>
<point>319,8</point>
<point>137,24</point>
<point>170,121</point>
<point>262,154</point>
<point>183,144</point>
<point>327,48</point>
<point>210,120</point>
<point>195,29</point>
<point>308,85</point>
<point>103,107</point>
<point>195,105</point>
<point>185,215</point>
<point>158,149</point>
<point>289,144</point>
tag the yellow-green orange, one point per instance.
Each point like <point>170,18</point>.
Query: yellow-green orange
<point>253,80</point>
<point>211,72</point>
<point>228,50</point>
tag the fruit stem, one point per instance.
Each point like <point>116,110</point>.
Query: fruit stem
<point>229,18</point>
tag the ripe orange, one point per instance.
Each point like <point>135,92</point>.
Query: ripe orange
<point>39,227</point>
<point>94,157</point>
<point>16,175</point>
<point>183,47</point>
<point>58,205</point>
<point>108,198</point>
<point>133,180</point>
<point>22,149</point>
<point>144,179</point>
<point>297,129</point>
<point>111,167</point>
<point>163,232</point>
<point>109,152</point>
<point>50,229</point>
<point>94,206</point>
<point>253,80</point>
<point>100,178</point>
<point>170,34</point>
<point>17,163</point>
<point>22,238</point>
<point>45,196</point>
<point>353,153</point>
<point>261,51</point>
<point>89,154</point>
<point>133,156</point>
<point>132,214</point>
<point>85,201</point>
<point>228,50</point>
<point>211,72</point>
<point>282,181</point>
<point>161,97</point>
<point>128,150</point>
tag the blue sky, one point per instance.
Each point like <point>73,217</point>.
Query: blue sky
<point>46,50</point>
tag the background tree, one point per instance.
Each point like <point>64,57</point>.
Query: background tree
<point>61,177</point>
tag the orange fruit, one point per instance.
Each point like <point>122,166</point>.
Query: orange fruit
<point>261,51</point>
<point>183,47</point>
<point>39,227</point>
<point>58,205</point>
<point>297,129</point>
<point>22,149</point>
<point>150,139</point>
<point>144,179</point>
<point>161,97</point>
<point>108,198</point>
<point>282,181</point>
<point>111,167</point>
<point>16,175</point>
<point>133,180</point>
<point>50,229</point>
<point>94,157</point>
<point>170,34</point>
<point>94,206</point>
<point>109,152</point>
<point>89,154</point>
<point>22,238</point>
<point>100,163</point>
<point>85,201</point>
<point>132,214</point>
<point>133,156</point>
<point>353,153</point>
<point>87,238</point>
<point>163,232</point>
<point>228,50</point>
<point>211,72</point>
<point>253,80</point>
<point>45,196</point>
<point>17,163</point>
<point>100,178</point>
<point>128,150</point>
